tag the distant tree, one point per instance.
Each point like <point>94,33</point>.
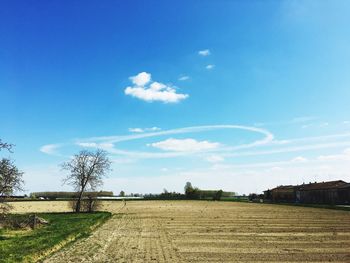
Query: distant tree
<point>122,193</point>
<point>252,196</point>
<point>188,187</point>
<point>86,171</point>
<point>10,179</point>
<point>218,195</point>
<point>191,192</point>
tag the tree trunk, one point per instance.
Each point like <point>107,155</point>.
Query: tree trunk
<point>78,204</point>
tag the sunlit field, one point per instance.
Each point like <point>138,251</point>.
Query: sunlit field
<point>201,231</point>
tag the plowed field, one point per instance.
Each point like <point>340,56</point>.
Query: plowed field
<point>200,231</point>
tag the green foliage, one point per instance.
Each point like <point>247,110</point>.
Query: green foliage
<point>196,193</point>
<point>218,195</point>
<point>29,246</point>
<point>165,196</point>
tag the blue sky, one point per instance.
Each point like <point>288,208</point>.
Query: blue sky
<point>238,95</point>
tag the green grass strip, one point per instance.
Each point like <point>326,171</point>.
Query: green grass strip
<point>33,245</point>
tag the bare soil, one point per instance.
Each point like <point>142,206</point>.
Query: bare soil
<point>200,231</point>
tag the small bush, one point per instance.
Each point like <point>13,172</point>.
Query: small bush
<point>88,204</point>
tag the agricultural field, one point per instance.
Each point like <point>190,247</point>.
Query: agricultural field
<point>203,231</point>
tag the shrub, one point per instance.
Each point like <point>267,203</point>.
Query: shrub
<point>88,204</point>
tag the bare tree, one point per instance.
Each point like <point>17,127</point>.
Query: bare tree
<point>4,145</point>
<point>87,170</point>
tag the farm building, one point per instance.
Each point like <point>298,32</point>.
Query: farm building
<point>344,194</point>
<point>324,193</point>
<point>332,192</point>
<point>283,193</point>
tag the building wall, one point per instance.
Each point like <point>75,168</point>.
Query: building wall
<point>319,196</point>
<point>283,196</point>
<point>344,195</point>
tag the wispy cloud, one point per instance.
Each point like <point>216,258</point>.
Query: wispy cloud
<point>298,120</point>
<point>177,147</point>
<point>137,130</point>
<point>145,89</point>
<point>315,125</point>
<point>267,138</point>
<point>204,53</point>
<point>344,156</point>
<point>50,149</point>
<point>140,130</point>
<point>183,78</point>
<point>184,145</point>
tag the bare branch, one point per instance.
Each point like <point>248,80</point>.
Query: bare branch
<point>7,146</point>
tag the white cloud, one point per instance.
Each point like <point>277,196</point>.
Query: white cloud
<point>155,91</point>
<point>87,144</point>
<point>184,145</point>
<point>204,53</point>
<point>215,158</point>
<point>344,156</point>
<point>346,122</point>
<point>210,66</point>
<point>141,79</point>
<point>153,129</point>
<point>267,139</point>
<point>140,130</point>
<point>137,130</point>
<point>50,148</point>
<point>317,125</point>
<point>184,78</point>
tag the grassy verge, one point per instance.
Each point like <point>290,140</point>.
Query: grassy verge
<point>32,245</point>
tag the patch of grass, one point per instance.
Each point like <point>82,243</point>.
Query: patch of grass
<point>32,245</point>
